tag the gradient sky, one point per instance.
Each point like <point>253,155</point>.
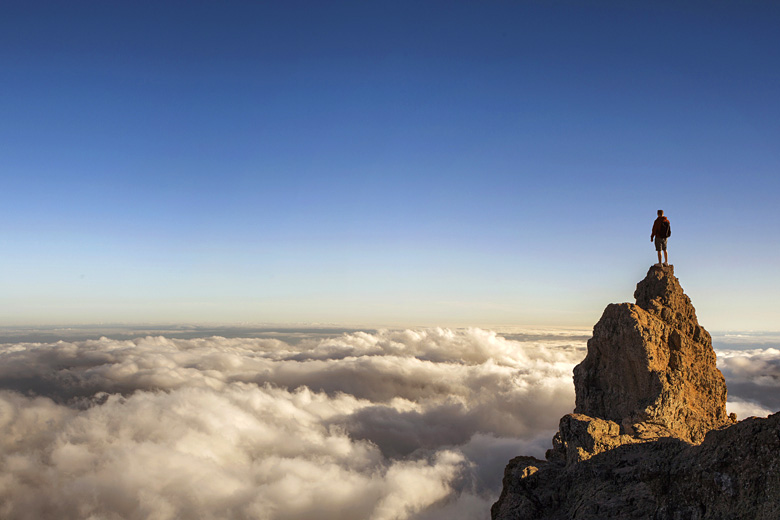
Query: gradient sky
<point>385,163</point>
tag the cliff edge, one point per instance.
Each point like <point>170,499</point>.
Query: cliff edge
<point>649,436</point>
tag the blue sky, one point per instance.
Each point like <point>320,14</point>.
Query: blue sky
<point>385,163</point>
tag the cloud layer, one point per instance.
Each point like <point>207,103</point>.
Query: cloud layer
<point>753,379</point>
<point>414,424</point>
<point>393,424</point>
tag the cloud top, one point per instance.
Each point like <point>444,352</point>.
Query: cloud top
<point>404,424</point>
<point>385,425</point>
<point>753,380</point>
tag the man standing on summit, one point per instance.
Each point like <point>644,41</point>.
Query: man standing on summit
<point>661,231</point>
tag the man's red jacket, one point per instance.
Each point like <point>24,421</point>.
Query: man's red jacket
<point>657,226</point>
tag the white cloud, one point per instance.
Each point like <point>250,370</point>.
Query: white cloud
<point>745,409</point>
<point>414,424</point>
<point>761,366</point>
<point>395,424</point>
<point>243,452</point>
<point>753,380</point>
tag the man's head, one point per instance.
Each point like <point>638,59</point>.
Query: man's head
<point>660,213</point>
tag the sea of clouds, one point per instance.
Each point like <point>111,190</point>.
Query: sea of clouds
<point>381,425</point>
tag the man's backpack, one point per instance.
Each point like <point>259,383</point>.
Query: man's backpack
<point>666,229</point>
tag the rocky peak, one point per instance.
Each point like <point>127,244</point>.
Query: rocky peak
<point>647,394</point>
<point>650,366</point>
<point>660,294</point>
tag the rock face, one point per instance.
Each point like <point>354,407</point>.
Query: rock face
<point>649,437</point>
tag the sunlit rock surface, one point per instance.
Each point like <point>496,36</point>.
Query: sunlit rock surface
<point>650,437</point>
<point>651,366</point>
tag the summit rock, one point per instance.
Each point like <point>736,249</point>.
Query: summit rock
<point>651,367</point>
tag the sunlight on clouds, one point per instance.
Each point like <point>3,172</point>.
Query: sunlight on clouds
<point>745,409</point>
<point>392,424</point>
<point>192,452</point>
<point>407,424</point>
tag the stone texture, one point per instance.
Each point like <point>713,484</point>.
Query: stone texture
<point>649,437</point>
<point>581,437</point>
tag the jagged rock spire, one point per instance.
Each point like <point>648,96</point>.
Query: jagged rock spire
<point>651,367</point>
